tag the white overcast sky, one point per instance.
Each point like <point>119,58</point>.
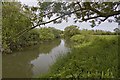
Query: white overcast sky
<point>104,26</point>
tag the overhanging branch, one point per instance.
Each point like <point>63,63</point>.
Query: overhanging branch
<point>43,23</point>
<point>99,15</point>
<point>90,18</point>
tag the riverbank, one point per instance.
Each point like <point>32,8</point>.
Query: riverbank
<point>90,57</point>
<point>32,38</point>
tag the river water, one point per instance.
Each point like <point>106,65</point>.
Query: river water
<point>33,61</point>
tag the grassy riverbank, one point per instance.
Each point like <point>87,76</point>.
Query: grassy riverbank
<point>91,56</point>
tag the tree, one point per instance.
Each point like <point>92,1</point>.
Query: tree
<point>81,9</point>
<point>94,12</point>
<point>56,32</point>
<point>117,30</point>
<point>71,30</point>
<point>13,21</point>
<point>46,34</point>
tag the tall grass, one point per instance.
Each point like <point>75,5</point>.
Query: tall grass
<point>94,57</point>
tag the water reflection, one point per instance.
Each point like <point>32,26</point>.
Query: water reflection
<point>42,63</point>
<point>18,64</point>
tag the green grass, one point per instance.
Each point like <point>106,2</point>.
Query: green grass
<point>94,57</point>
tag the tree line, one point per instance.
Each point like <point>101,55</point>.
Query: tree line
<point>73,30</point>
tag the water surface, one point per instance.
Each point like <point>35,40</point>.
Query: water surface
<point>33,61</point>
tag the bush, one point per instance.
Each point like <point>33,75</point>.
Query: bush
<point>71,30</point>
<point>78,38</point>
<point>46,34</point>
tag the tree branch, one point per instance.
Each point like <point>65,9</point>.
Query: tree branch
<point>43,23</point>
<point>104,19</point>
<point>79,4</point>
<point>95,10</point>
<point>113,13</point>
<point>103,14</point>
<point>90,18</point>
<point>100,14</point>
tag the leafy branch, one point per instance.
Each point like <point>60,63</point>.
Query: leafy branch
<point>83,9</point>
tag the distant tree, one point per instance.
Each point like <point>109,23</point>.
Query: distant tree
<point>46,34</point>
<point>71,30</point>
<point>117,30</point>
<point>56,32</point>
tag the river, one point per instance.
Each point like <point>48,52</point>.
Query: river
<point>33,61</point>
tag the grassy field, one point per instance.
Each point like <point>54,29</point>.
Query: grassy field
<point>90,57</point>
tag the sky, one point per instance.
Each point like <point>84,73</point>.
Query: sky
<point>85,25</point>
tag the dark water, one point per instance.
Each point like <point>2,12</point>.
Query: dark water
<point>33,61</point>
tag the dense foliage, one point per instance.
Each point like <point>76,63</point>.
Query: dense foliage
<point>13,22</point>
<point>71,30</point>
<point>49,33</point>
<point>57,33</point>
<point>46,34</point>
<point>17,20</point>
